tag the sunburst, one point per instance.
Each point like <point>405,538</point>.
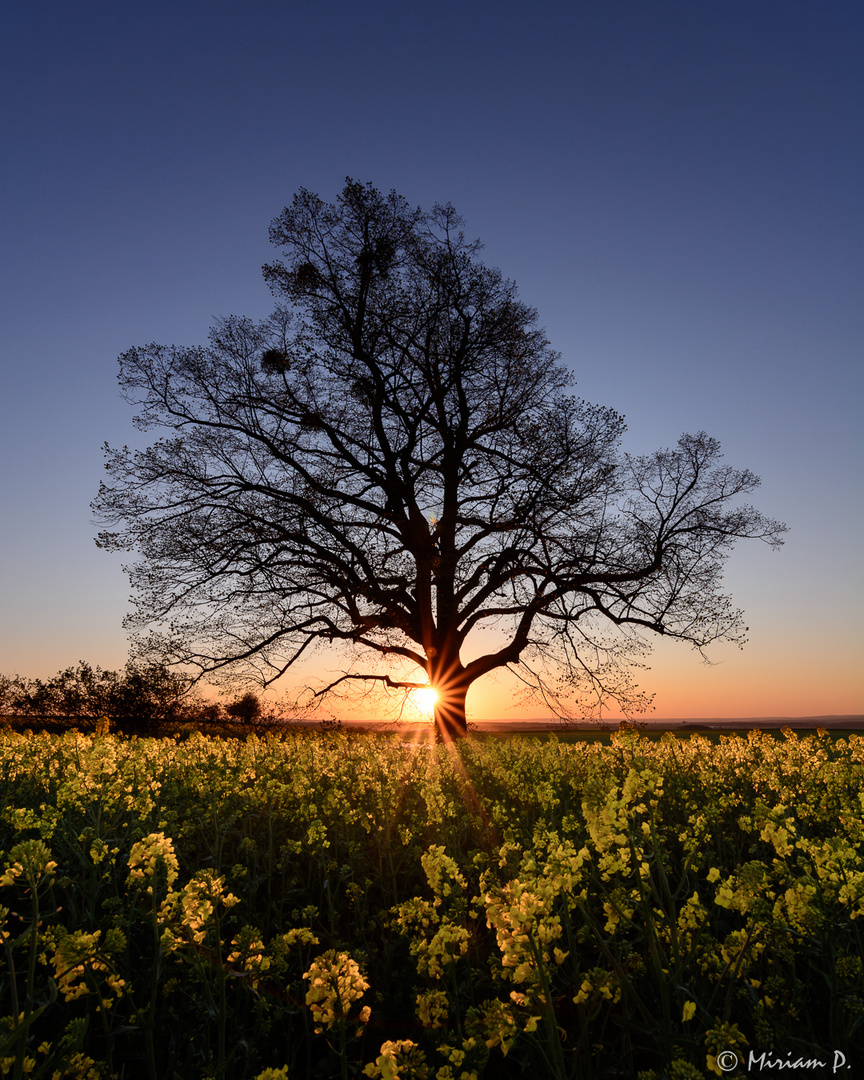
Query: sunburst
<point>424,700</point>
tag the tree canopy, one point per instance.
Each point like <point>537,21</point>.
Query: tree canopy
<point>393,463</point>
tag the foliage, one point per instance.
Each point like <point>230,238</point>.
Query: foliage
<point>140,699</point>
<point>246,708</point>
<point>144,699</point>
<point>393,463</point>
<point>337,904</point>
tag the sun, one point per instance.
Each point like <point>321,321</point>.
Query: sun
<point>425,699</point>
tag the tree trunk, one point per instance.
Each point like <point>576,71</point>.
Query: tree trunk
<point>450,722</point>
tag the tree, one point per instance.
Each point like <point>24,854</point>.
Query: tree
<point>247,709</point>
<point>139,700</point>
<point>392,462</point>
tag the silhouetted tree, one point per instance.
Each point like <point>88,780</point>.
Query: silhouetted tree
<point>7,696</point>
<point>148,697</point>
<point>392,462</point>
<point>247,709</point>
<point>78,696</point>
<point>207,714</point>
<point>140,699</point>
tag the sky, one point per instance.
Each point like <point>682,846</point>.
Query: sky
<point>675,185</point>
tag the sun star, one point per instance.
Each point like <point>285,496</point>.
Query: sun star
<point>425,700</point>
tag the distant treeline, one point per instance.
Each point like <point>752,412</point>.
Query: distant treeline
<point>142,699</point>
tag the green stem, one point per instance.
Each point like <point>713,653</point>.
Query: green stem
<point>343,1055</point>
<point>552,1035</point>
<point>106,1028</point>
<point>7,948</point>
<point>653,942</point>
<point>21,1049</point>
<point>149,1023</point>
<point>624,980</point>
<point>223,1004</point>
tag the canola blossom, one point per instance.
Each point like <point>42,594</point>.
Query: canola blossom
<point>335,904</point>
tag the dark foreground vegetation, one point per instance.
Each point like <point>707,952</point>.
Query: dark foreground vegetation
<point>334,904</point>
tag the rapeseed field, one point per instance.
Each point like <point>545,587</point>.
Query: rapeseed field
<point>342,904</point>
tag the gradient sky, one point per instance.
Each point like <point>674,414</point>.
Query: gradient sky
<point>676,186</point>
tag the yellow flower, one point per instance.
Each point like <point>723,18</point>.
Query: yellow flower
<point>335,981</point>
<point>31,860</point>
<point>386,1065</point>
<point>154,852</point>
<point>432,1008</point>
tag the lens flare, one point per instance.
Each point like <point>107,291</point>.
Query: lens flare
<point>425,700</point>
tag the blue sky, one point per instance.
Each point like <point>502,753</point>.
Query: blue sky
<point>676,186</point>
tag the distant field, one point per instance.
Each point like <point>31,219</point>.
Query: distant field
<point>585,730</point>
<point>588,732</point>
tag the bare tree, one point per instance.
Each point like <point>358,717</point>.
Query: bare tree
<point>392,462</point>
